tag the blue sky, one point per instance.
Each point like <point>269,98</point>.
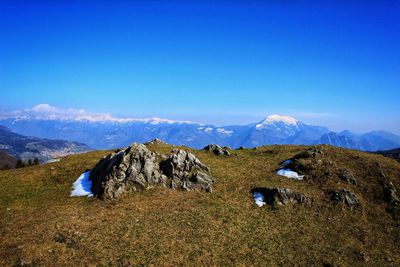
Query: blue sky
<point>335,63</point>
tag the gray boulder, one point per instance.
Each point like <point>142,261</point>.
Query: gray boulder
<point>217,150</point>
<point>136,168</point>
<point>185,171</point>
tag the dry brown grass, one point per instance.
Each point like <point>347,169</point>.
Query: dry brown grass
<point>163,227</point>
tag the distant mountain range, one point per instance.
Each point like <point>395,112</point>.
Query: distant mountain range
<point>25,147</point>
<point>108,132</point>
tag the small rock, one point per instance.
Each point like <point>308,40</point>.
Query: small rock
<point>390,194</point>
<point>63,239</point>
<point>59,238</point>
<point>155,141</point>
<point>364,257</point>
<point>344,196</point>
<point>346,176</point>
<point>217,150</point>
<point>311,152</point>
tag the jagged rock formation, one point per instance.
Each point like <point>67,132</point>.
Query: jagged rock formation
<point>344,196</point>
<point>390,194</point>
<point>217,150</point>
<point>185,171</point>
<point>136,168</point>
<point>280,196</point>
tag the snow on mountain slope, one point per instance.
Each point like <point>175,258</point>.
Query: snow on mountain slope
<point>103,131</point>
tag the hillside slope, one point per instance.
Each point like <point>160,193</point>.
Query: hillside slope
<point>6,161</point>
<point>393,153</point>
<point>41,224</point>
<point>27,147</point>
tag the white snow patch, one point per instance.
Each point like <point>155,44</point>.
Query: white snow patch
<point>223,131</point>
<point>208,130</point>
<point>290,174</point>
<point>286,162</point>
<point>259,199</point>
<point>52,160</point>
<point>82,186</point>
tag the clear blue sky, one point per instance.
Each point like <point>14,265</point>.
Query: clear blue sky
<point>335,63</point>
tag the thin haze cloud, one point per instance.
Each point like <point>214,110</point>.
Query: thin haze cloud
<point>49,112</point>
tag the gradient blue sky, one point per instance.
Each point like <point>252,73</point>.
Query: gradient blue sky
<point>335,63</point>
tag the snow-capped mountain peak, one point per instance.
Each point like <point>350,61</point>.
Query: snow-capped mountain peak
<point>272,119</point>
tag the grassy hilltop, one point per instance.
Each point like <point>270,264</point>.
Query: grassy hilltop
<point>40,224</point>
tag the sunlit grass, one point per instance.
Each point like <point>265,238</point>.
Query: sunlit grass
<point>164,227</point>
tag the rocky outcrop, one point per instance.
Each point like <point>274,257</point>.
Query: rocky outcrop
<point>390,194</point>
<point>136,168</point>
<point>344,196</point>
<point>280,196</point>
<point>185,171</point>
<point>307,163</point>
<point>217,150</point>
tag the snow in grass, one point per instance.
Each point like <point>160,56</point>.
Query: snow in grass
<point>290,174</point>
<point>259,199</point>
<point>286,162</point>
<point>52,161</point>
<point>82,186</point>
